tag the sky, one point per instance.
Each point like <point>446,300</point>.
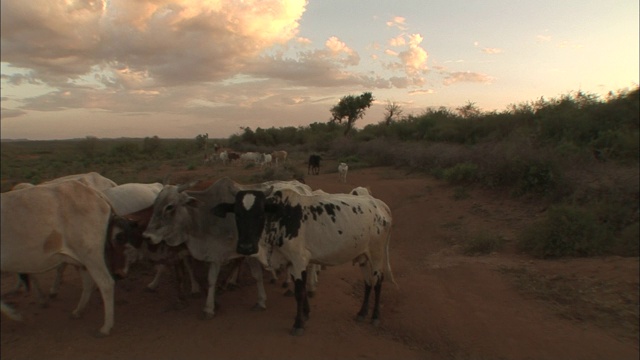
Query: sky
<point>177,69</point>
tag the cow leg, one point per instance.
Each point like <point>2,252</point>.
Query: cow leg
<point>179,272</point>
<point>364,309</point>
<point>99,275</point>
<point>55,287</point>
<point>195,287</point>
<point>153,285</point>
<point>312,281</point>
<point>302,303</point>
<point>88,285</point>
<point>214,271</point>
<point>375,318</point>
<point>256,272</point>
<point>43,301</point>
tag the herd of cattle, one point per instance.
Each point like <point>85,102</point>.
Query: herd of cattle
<point>100,227</point>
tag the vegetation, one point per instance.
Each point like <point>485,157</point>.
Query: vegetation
<point>578,152</point>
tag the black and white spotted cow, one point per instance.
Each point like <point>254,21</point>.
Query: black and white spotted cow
<point>325,229</point>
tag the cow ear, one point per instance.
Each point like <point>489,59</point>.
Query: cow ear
<point>222,209</point>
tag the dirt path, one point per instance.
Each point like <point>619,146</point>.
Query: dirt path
<point>446,306</point>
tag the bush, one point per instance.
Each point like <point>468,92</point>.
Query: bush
<point>463,173</point>
<point>566,231</point>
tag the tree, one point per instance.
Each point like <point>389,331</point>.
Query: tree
<point>470,110</point>
<point>392,111</point>
<point>201,141</point>
<point>151,145</point>
<point>351,108</point>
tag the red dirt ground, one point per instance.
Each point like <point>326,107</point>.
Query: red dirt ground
<point>446,305</point>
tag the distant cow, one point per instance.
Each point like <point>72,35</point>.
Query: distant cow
<point>314,165</point>
<point>251,157</point>
<point>342,172</point>
<point>48,239</point>
<point>328,229</point>
<point>224,157</point>
<point>266,159</point>
<point>233,156</point>
<point>279,156</point>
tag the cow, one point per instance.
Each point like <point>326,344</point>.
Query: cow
<point>38,238</point>
<point>134,201</point>
<point>251,157</point>
<point>181,216</point>
<point>324,229</point>
<point>91,179</point>
<point>342,172</point>
<point>233,156</point>
<point>279,156</point>
<point>266,159</point>
<point>224,157</point>
<point>314,165</point>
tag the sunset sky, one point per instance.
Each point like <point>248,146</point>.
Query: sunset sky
<point>176,69</point>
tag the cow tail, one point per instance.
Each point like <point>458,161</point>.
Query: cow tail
<point>388,270</point>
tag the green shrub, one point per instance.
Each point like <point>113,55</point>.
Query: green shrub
<point>566,231</point>
<point>461,173</point>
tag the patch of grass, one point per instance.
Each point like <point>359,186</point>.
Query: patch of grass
<point>596,301</point>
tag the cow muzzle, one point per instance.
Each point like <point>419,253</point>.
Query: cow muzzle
<point>247,249</point>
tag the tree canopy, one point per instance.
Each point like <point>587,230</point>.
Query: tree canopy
<point>351,108</point>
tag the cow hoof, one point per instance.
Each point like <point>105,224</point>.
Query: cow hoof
<point>53,295</point>
<point>288,293</point>
<point>195,295</point>
<point>99,334</point>
<point>311,294</point>
<point>44,305</point>
<point>272,281</point>
<point>75,315</point>
<point>297,332</point>
<point>285,285</point>
<point>207,316</point>
<point>375,322</point>
<point>258,307</point>
<point>360,318</point>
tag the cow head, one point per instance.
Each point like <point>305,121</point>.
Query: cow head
<point>121,232</point>
<point>250,208</point>
<point>171,217</point>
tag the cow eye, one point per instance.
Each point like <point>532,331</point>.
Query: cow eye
<point>169,208</point>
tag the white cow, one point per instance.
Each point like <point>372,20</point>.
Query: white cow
<point>181,216</point>
<point>251,157</point>
<point>325,229</point>
<point>224,157</point>
<point>38,238</point>
<point>342,172</point>
<point>266,159</point>
<point>91,179</point>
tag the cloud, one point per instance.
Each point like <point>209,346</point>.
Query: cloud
<point>467,76</point>
<point>10,113</point>
<point>398,22</point>
<point>543,38</point>
<point>397,41</point>
<point>421,92</point>
<point>164,43</point>
<point>492,51</point>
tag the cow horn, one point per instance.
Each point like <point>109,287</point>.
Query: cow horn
<point>165,180</point>
<point>268,191</point>
<point>183,187</point>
